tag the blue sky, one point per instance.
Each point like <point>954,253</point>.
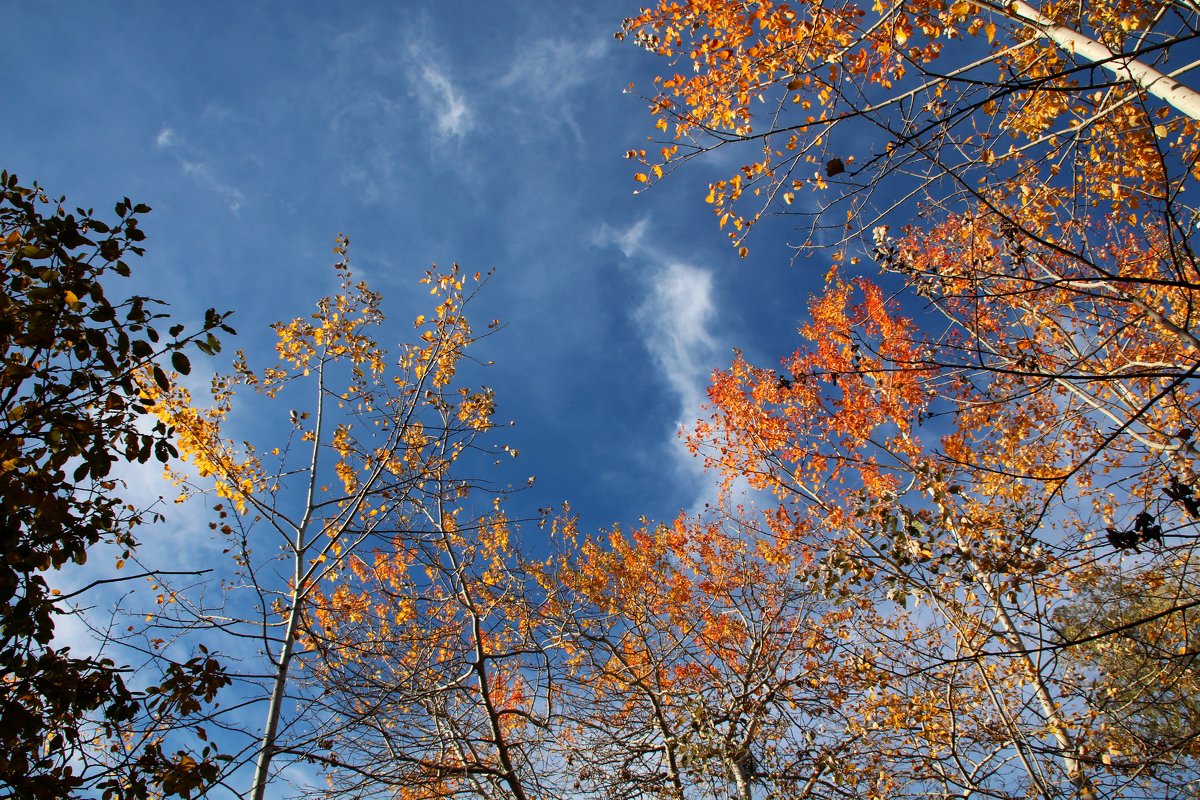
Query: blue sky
<point>487,133</point>
<point>491,134</point>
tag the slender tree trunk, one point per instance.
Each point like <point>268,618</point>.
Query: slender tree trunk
<point>279,688</point>
<point>1015,641</point>
<point>300,546</point>
<point>741,781</point>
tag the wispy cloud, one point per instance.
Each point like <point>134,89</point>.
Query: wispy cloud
<point>198,169</point>
<point>390,92</point>
<point>443,102</point>
<point>550,70</point>
<point>630,240</point>
<point>677,321</point>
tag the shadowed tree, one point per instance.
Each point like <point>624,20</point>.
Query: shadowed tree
<point>71,411</point>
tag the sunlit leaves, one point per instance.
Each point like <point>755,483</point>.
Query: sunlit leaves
<point>949,438</point>
<point>361,487</point>
<point>931,113</point>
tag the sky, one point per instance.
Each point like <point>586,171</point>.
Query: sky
<point>488,134</point>
<point>491,134</point>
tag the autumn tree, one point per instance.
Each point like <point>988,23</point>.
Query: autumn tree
<point>1032,117</point>
<point>1135,661</point>
<point>72,414</point>
<point>988,425</point>
<point>1047,148</point>
<point>331,525</point>
<point>442,680</point>
<point>697,665</point>
<point>947,528</point>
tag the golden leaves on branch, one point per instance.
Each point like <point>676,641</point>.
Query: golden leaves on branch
<point>781,78</point>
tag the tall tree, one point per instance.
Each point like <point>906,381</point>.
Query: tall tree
<point>1135,662</point>
<point>368,461</point>
<point>432,658</point>
<point>699,663</point>
<point>71,411</point>
<point>1050,153</point>
<point>950,104</point>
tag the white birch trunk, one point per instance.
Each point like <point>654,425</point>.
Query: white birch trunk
<point>1162,86</point>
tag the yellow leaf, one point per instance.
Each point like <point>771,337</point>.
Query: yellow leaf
<point>990,30</point>
<point>641,177</point>
<point>72,298</point>
<point>1160,131</point>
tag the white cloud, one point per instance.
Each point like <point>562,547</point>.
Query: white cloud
<point>630,241</point>
<point>385,92</point>
<point>549,70</point>
<point>675,319</point>
<point>441,101</point>
<point>204,176</point>
<point>198,170</point>
<point>444,102</point>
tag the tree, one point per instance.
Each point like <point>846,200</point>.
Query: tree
<point>901,104</point>
<point>1137,667</point>
<point>1045,279</point>
<point>1013,399</point>
<point>71,411</point>
<point>697,665</point>
<point>432,658</point>
<point>369,465</point>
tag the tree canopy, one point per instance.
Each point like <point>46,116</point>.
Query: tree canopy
<point>983,425</point>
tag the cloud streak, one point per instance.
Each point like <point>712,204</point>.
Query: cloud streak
<point>200,171</point>
<point>676,320</point>
<point>443,102</point>
<point>553,71</point>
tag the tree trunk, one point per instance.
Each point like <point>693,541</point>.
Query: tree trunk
<point>1164,87</point>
